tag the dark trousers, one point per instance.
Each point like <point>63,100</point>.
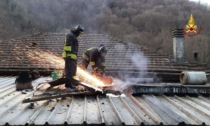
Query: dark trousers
<point>70,68</point>
<point>70,72</point>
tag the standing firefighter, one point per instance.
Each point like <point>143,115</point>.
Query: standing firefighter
<point>70,56</point>
<point>96,58</point>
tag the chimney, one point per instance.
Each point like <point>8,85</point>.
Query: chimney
<point>178,46</point>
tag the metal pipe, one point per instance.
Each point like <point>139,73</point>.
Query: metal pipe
<point>193,78</point>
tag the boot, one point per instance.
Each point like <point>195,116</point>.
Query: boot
<point>58,82</point>
<point>75,82</point>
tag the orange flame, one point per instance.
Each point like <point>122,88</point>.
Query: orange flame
<point>87,77</point>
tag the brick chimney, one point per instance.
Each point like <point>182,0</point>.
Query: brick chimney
<point>178,46</point>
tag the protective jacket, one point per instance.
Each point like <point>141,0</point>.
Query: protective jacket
<point>96,60</point>
<point>70,55</point>
<point>70,47</point>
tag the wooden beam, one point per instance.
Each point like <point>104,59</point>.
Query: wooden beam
<point>41,97</point>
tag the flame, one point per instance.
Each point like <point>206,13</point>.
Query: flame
<point>89,78</point>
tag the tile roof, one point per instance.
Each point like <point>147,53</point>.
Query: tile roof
<point>145,109</point>
<point>25,53</point>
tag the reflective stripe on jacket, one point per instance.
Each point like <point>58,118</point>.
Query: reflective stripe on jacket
<point>70,47</point>
<point>93,57</point>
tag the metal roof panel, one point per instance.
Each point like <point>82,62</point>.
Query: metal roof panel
<point>147,109</point>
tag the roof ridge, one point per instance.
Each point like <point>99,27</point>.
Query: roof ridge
<point>24,37</point>
<point>105,35</point>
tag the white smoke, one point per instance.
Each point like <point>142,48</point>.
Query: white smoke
<point>141,63</point>
<point>138,61</point>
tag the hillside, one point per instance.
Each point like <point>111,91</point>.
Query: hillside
<point>145,22</point>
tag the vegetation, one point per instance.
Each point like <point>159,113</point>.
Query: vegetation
<point>145,22</point>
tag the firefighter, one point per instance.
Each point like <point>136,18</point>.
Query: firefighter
<point>95,56</point>
<point>70,56</point>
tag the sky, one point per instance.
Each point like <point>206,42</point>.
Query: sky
<point>202,1</point>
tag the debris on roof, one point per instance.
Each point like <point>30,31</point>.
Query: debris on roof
<point>146,109</point>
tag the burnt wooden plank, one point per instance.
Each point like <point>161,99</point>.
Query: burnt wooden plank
<point>41,98</point>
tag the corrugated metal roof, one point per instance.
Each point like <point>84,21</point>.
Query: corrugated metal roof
<point>146,109</point>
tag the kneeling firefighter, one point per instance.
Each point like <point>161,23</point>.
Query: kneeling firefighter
<point>95,56</point>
